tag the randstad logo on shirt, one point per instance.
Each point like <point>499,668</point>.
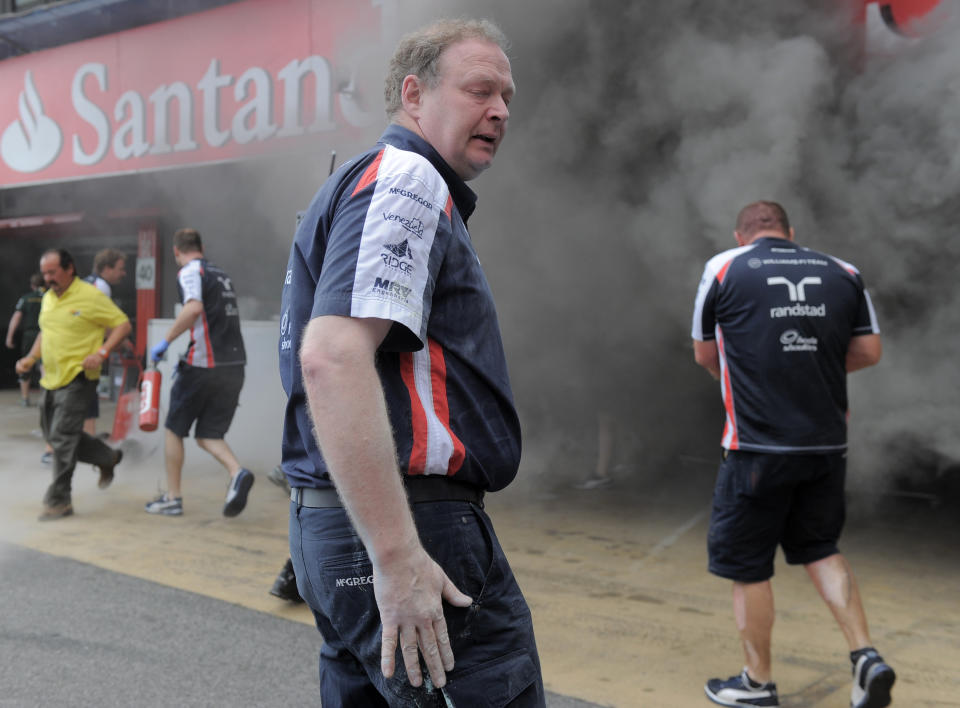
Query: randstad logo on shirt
<point>798,310</point>
<point>355,581</point>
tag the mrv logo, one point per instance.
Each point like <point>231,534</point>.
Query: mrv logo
<point>391,289</point>
<point>797,295</point>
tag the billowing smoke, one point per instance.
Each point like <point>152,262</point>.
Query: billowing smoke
<point>638,132</point>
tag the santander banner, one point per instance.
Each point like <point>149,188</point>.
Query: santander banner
<point>237,81</point>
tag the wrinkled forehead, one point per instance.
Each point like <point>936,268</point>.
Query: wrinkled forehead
<point>476,55</point>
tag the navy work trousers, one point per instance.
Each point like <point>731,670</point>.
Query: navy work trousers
<point>493,643</point>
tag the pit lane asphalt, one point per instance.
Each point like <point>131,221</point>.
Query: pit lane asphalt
<point>103,633</point>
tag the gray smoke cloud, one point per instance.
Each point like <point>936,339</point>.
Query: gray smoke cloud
<point>638,131</point>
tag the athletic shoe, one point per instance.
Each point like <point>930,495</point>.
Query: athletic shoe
<point>58,511</point>
<point>285,586</point>
<point>237,492</point>
<point>872,680</point>
<point>277,476</point>
<point>165,505</point>
<point>106,473</point>
<point>741,691</point>
<point>46,458</point>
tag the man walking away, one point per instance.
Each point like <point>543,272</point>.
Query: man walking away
<point>780,326</point>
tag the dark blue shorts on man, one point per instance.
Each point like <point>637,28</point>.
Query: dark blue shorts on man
<point>762,500</point>
<point>492,640</point>
<point>207,396</point>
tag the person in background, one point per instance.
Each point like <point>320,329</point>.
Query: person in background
<point>73,318</point>
<point>209,376</point>
<point>109,268</point>
<point>780,326</point>
<point>393,364</point>
<point>26,317</point>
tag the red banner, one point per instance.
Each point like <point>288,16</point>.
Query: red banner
<point>237,81</point>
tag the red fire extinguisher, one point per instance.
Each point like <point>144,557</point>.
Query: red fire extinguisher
<point>150,400</point>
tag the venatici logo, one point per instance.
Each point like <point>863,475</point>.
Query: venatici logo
<point>34,140</point>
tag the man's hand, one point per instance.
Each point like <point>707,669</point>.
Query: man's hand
<point>93,362</point>
<point>410,593</point>
<point>9,344</point>
<point>24,365</point>
<point>159,349</point>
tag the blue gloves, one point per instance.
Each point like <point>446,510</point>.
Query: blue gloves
<point>156,354</point>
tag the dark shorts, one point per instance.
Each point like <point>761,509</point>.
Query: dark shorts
<point>207,396</point>
<point>492,640</point>
<point>26,344</point>
<point>761,501</point>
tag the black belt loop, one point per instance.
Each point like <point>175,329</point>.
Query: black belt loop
<point>421,488</point>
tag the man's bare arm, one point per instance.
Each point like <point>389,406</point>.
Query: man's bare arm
<point>863,351</point>
<point>12,327</point>
<point>191,310</point>
<point>708,356</point>
<point>349,413</point>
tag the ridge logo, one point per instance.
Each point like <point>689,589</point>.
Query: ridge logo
<point>32,142</point>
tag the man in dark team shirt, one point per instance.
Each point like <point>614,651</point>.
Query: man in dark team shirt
<point>26,316</point>
<point>207,383</point>
<point>780,326</point>
<point>391,356</point>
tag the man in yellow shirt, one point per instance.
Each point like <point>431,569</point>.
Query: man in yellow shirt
<point>74,316</point>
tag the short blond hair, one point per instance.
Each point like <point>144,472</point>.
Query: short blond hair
<point>419,52</point>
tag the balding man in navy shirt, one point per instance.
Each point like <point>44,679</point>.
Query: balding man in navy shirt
<point>780,326</point>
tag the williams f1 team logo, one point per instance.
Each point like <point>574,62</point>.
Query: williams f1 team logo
<point>33,141</point>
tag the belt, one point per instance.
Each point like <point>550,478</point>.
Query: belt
<point>422,488</point>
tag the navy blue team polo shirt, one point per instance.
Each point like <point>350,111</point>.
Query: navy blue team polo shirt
<point>386,237</point>
<point>782,316</point>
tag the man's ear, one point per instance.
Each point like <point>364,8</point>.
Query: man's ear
<point>411,94</point>
<point>741,241</point>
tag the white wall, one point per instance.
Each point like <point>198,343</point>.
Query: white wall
<point>255,432</point>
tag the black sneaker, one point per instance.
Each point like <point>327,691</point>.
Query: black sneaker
<point>741,691</point>
<point>285,586</point>
<point>165,505</point>
<point>106,473</point>
<point>237,492</point>
<point>872,680</point>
